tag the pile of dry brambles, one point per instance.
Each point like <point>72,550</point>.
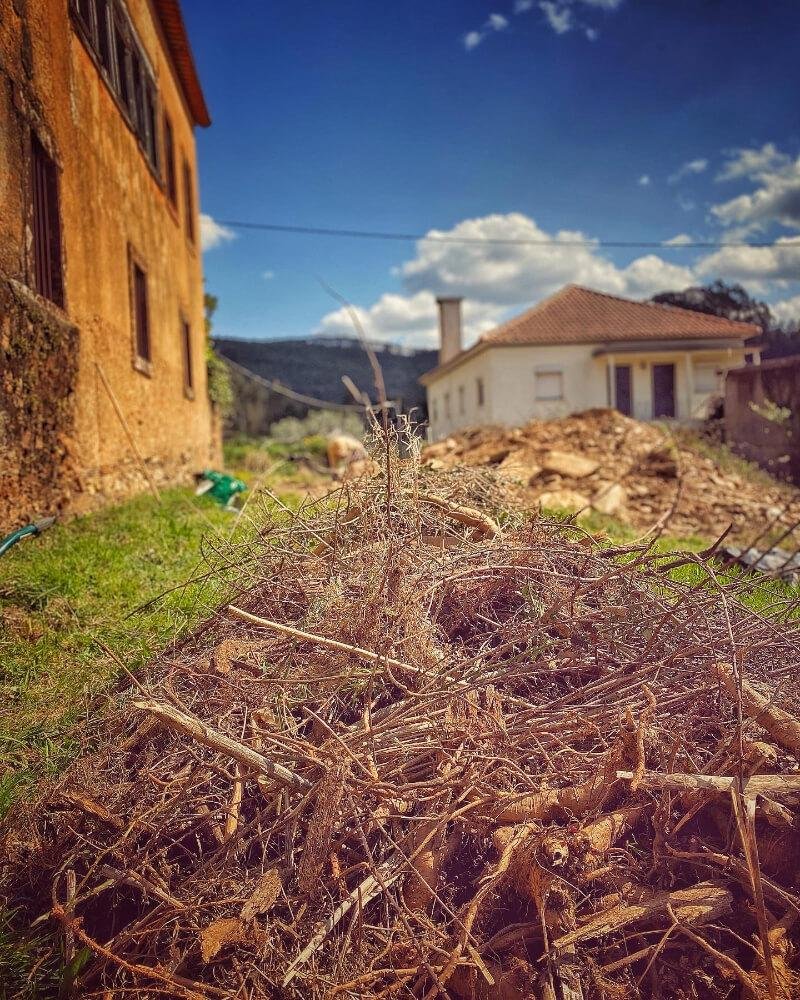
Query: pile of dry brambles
<point>423,754</point>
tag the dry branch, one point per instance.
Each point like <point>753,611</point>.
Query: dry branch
<point>781,726</point>
<point>180,722</point>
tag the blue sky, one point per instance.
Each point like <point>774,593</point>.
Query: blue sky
<point>640,120</point>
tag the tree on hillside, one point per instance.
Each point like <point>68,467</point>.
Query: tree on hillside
<point>733,302</point>
<point>721,299</point>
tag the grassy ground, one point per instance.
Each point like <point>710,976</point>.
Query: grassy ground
<point>68,603</point>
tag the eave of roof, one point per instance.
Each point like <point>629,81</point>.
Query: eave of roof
<point>172,24</point>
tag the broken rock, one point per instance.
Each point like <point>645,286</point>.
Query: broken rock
<point>570,464</point>
<point>566,500</point>
<point>610,499</point>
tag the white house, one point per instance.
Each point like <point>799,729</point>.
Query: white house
<point>580,349</point>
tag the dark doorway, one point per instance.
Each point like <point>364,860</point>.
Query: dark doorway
<point>663,390</point>
<point>623,390</point>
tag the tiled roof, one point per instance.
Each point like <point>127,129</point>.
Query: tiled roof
<point>577,315</point>
<point>171,18</point>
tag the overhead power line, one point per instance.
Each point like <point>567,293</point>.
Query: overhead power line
<point>369,234</point>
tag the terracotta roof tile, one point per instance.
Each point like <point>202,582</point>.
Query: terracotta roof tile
<point>171,18</point>
<point>577,315</point>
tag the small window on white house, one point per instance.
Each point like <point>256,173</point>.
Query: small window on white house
<point>706,378</point>
<point>549,385</point>
<point>434,411</point>
<point>479,390</point>
<point>447,405</point>
<point>461,399</point>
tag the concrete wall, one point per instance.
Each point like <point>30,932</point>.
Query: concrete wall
<point>753,425</point>
<point>109,200</point>
<point>511,375</point>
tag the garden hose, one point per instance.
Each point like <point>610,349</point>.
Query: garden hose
<point>30,529</point>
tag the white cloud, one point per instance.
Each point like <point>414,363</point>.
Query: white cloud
<point>493,23</point>
<point>522,6</point>
<point>410,320</point>
<point>498,279</point>
<point>778,262</point>
<point>644,180</point>
<point>753,163</point>
<point>787,311</point>
<point>268,275</point>
<point>685,204</point>
<point>558,16</point>
<point>212,234</point>
<point>497,22</point>
<point>690,167</point>
<point>678,241</point>
<point>776,197</point>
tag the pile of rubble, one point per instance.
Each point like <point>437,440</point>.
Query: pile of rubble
<point>422,754</point>
<point>601,460</point>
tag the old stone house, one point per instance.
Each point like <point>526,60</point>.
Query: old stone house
<point>102,340</point>
<point>579,349</point>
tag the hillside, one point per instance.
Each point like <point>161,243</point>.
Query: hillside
<point>315,366</point>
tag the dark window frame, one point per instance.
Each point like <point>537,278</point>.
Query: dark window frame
<point>47,249</point>
<point>188,201</point>
<point>141,327</point>
<point>480,391</point>
<point>170,161</point>
<point>187,355</point>
<point>126,71</point>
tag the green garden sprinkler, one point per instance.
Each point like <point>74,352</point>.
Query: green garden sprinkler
<point>30,529</point>
<point>219,485</point>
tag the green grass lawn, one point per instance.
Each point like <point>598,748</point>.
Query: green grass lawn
<point>69,600</point>
<point>65,598</point>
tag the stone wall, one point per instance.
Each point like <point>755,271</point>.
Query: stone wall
<point>112,207</point>
<point>38,372</point>
<point>762,415</point>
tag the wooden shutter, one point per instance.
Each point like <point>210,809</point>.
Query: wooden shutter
<point>46,225</point>
<point>186,336</point>
<point>188,196</point>
<point>141,313</point>
<point>169,158</point>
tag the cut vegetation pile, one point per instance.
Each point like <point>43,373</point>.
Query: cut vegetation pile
<point>634,471</point>
<point>433,751</point>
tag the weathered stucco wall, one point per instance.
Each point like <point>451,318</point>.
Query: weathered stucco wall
<point>762,415</point>
<point>110,201</point>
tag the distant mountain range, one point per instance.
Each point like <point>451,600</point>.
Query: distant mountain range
<point>315,366</point>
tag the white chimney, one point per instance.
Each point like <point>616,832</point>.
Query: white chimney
<point>449,329</point>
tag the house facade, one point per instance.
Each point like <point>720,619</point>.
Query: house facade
<point>102,339</point>
<point>580,349</point>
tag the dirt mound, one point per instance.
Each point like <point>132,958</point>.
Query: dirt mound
<point>634,471</point>
<point>430,754</point>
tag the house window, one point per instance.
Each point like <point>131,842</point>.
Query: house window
<point>186,345</point>
<point>549,385</point>
<point>479,391</point>
<point>461,399</point>
<point>435,411</point>
<point>47,269</point>
<point>748,359</point>
<point>447,405</point>
<point>104,35</point>
<point>706,378</point>
<point>106,30</point>
<point>122,51</point>
<point>169,162</point>
<point>141,317</point>
<point>188,198</point>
